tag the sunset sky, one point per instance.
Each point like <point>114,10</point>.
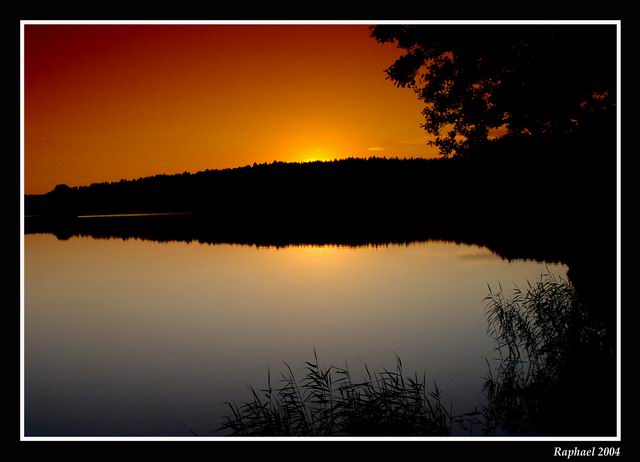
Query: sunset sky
<point>124,101</point>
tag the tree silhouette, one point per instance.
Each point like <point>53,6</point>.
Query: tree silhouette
<point>482,82</point>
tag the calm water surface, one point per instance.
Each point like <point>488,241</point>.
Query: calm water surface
<point>143,338</point>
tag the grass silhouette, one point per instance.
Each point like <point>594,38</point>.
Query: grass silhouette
<point>327,402</point>
<point>542,383</point>
<point>548,345</point>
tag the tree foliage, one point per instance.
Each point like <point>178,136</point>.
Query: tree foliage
<point>481,82</point>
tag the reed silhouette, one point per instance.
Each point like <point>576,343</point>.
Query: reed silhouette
<point>554,374</point>
<point>552,378</point>
<point>328,402</point>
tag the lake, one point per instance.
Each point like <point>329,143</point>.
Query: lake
<point>130,337</point>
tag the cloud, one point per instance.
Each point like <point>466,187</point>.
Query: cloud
<point>375,148</point>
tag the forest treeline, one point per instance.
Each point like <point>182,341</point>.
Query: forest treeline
<point>562,180</point>
<point>551,200</point>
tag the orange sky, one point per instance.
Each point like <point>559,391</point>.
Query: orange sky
<point>109,102</point>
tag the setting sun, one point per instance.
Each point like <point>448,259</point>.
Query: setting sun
<point>109,102</point>
<point>315,155</point>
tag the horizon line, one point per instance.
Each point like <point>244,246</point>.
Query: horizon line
<point>250,165</point>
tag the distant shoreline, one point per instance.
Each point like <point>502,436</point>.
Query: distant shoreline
<point>142,214</point>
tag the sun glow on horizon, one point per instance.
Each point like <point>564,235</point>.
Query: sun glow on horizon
<point>111,102</point>
<point>316,155</point>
